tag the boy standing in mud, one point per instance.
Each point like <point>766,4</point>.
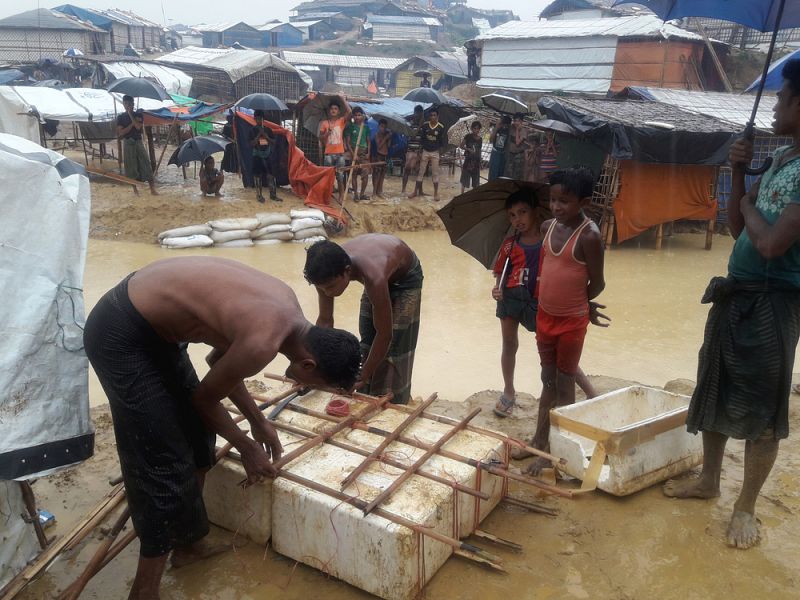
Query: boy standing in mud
<point>390,306</point>
<point>571,277</point>
<point>744,373</point>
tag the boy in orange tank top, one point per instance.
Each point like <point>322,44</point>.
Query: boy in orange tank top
<point>570,277</point>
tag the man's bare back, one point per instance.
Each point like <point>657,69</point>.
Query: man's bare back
<point>379,257</point>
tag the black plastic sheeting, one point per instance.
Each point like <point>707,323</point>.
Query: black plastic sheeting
<point>642,143</point>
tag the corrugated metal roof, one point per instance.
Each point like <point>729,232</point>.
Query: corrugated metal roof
<point>302,24</point>
<point>314,15</point>
<point>273,26</point>
<point>44,18</point>
<point>219,27</point>
<point>127,17</point>
<point>733,108</point>
<point>645,26</point>
<point>392,20</point>
<point>341,60</point>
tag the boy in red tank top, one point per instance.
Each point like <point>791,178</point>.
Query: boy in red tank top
<point>571,276</point>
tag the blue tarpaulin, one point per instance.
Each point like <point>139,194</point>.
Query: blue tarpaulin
<point>198,111</point>
<point>9,75</point>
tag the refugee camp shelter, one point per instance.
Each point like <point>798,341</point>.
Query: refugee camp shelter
<point>351,8</point>
<point>344,70</point>
<point>173,80</point>
<point>36,35</point>
<point>227,74</point>
<point>462,14</point>
<point>447,69</point>
<point>277,35</point>
<point>657,163</point>
<point>594,56</point>
<point>338,21</point>
<point>124,27</point>
<point>228,34</point>
<point>380,27</point>
<point>315,30</point>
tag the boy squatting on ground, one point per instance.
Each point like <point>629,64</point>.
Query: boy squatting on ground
<point>390,305</point>
<point>165,420</point>
<point>744,371</point>
<point>357,145</point>
<point>517,272</point>
<point>471,168</point>
<point>571,276</point>
<point>211,179</point>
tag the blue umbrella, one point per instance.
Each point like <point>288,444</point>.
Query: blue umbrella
<point>763,15</point>
<point>774,77</point>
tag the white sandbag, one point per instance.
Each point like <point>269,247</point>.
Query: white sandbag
<point>187,241</point>
<point>185,231</point>
<point>305,223</point>
<point>257,233</point>
<point>267,242</point>
<point>304,234</point>
<point>233,224</point>
<point>309,241</point>
<point>272,218</point>
<point>277,235</point>
<point>313,213</point>
<point>228,236</point>
<point>235,244</point>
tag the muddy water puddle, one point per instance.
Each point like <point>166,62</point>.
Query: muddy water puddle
<point>641,547</point>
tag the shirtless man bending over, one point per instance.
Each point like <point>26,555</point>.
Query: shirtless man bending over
<point>165,419</point>
<point>389,318</point>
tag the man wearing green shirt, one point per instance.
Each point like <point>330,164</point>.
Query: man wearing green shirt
<point>357,145</point>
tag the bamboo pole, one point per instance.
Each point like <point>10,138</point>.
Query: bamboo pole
<point>385,443</point>
<point>30,504</point>
<point>434,448</point>
<point>449,421</point>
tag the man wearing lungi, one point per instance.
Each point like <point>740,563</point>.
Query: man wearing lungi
<point>130,125</point>
<point>745,365</point>
<point>390,305</point>
<point>165,419</point>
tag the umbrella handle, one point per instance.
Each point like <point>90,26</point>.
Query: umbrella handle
<point>749,134</point>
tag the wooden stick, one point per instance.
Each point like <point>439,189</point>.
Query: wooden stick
<point>531,506</point>
<point>359,503</point>
<point>385,494</point>
<point>172,128</point>
<point>449,421</point>
<point>95,517</point>
<point>30,504</point>
<point>480,560</point>
<point>489,537</point>
<point>74,590</point>
<point>378,451</point>
<point>391,462</point>
<point>114,177</point>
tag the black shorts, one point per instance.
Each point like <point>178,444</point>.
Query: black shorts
<point>518,304</point>
<point>161,440</point>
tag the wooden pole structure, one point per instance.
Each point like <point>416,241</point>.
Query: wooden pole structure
<point>434,448</point>
<point>714,57</point>
<point>385,443</point>
<point>449,421</point>
<point>157,166</point>
<point>30,504</point>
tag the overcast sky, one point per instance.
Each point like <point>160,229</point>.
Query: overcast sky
<point>192,12</point>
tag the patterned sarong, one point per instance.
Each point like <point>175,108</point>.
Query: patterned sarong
<point>745,366</point>
<point>394,373</point>
<point>135,159</point>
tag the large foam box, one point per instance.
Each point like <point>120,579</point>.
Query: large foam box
<point>626,440</point>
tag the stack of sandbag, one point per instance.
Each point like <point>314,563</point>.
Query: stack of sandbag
<point>307,225</point>
<point>273,228</point>
<point>233,233</point>
<point>191,236</point>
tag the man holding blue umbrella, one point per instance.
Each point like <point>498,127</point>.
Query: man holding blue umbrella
<point>745,364</point>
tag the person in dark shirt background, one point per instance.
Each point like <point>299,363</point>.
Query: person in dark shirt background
<point>432,139</point>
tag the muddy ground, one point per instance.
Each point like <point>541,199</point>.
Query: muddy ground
<point>599,546</point>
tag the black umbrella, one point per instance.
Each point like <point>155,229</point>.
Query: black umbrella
<point>505,102</point>
<point>477,221</point>
<point>139,87</point>
<point>428,95</point>
<point>198,148</point>
<point>265,102</point>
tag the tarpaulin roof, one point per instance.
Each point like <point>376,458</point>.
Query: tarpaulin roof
<point>104,17</point>
<point>341,60</point>
<point>220,27</point>
<point>173,80</point>
<point>236,63</point>
<point>44,18</point>
<point>449,63</point>
<point>644,131</point>
<point>394,20</point>
<point>168,115</point>
<point>644,26</point>
<point>7,75</point>
<point>734,108</point>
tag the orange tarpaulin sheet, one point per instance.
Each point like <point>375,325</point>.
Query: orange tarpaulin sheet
<point>651,194</point>
<point>308,180</point>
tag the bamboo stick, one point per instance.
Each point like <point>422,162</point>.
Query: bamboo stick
<point>30,504</point>
<point>489,537</point>
<point>391,462</point>
<point>449,421</point>
<point>531,506</point>
<point>481,561</point>
<point>380,512</point>
<point>378,451</point>
<point>434,448</point>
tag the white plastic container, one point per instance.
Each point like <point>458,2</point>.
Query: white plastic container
<point>627,439</point>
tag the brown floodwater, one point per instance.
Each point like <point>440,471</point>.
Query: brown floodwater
<point>641,547</point>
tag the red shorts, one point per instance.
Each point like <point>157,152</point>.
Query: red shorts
<point>560,340</point>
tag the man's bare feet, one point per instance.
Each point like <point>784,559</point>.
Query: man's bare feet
<point>694,487</point>
<point>743,530</point>
<point>186,555</point>
<point>537,464</point>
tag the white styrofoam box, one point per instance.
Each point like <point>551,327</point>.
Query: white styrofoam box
<point>643,433</point>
